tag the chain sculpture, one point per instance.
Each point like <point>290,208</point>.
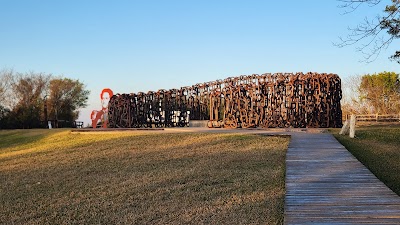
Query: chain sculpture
<point>267,100</point>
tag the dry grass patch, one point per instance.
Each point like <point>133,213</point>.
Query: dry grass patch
<point>139,178</point>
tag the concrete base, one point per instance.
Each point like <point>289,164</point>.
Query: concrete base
<point>198,123</point>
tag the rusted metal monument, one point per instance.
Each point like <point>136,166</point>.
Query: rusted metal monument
<point>269,100</point>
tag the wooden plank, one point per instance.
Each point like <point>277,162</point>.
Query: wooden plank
<point>325,184</point>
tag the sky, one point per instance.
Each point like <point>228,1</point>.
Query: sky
<point>132,46</point>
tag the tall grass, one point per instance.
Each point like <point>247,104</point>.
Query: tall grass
<point>139,178</point>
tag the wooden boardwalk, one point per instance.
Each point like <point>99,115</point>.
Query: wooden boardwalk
<point>325,184</point>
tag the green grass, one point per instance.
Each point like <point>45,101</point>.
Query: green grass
<point>59,177</point>
<point>378,148</point>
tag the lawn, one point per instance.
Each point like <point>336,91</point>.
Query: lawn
<point>59,177</point>
<point>378,148</point>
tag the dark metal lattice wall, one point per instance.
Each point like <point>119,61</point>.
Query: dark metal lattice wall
<point>267,100</point>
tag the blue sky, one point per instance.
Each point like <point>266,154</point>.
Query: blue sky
<point>132,46</point>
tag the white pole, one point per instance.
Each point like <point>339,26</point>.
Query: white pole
<point>352,126</point>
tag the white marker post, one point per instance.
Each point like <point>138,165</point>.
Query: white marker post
<point>352,126</point>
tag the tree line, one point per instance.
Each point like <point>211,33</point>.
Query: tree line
<point>30,100</point>
<point>377,93</point>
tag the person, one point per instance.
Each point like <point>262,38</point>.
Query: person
<point>102,115</point>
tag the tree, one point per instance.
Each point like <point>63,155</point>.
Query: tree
<point>29,90</point>
<point>25,99</point>
<point>65,97</point>
<point>21,98</point>
<point>4,117</point>
<point>7,98</point>
<point>381,91</point>
<point>373,35</point>
<point>351,102</point>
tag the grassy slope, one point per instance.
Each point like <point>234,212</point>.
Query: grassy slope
<point>377,147</point>
<point>132,177</point>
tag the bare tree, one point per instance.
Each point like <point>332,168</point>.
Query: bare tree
<point>373,35</point>
<point>30,90</point>
<point>7,97</point>
<point>351,101</point>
